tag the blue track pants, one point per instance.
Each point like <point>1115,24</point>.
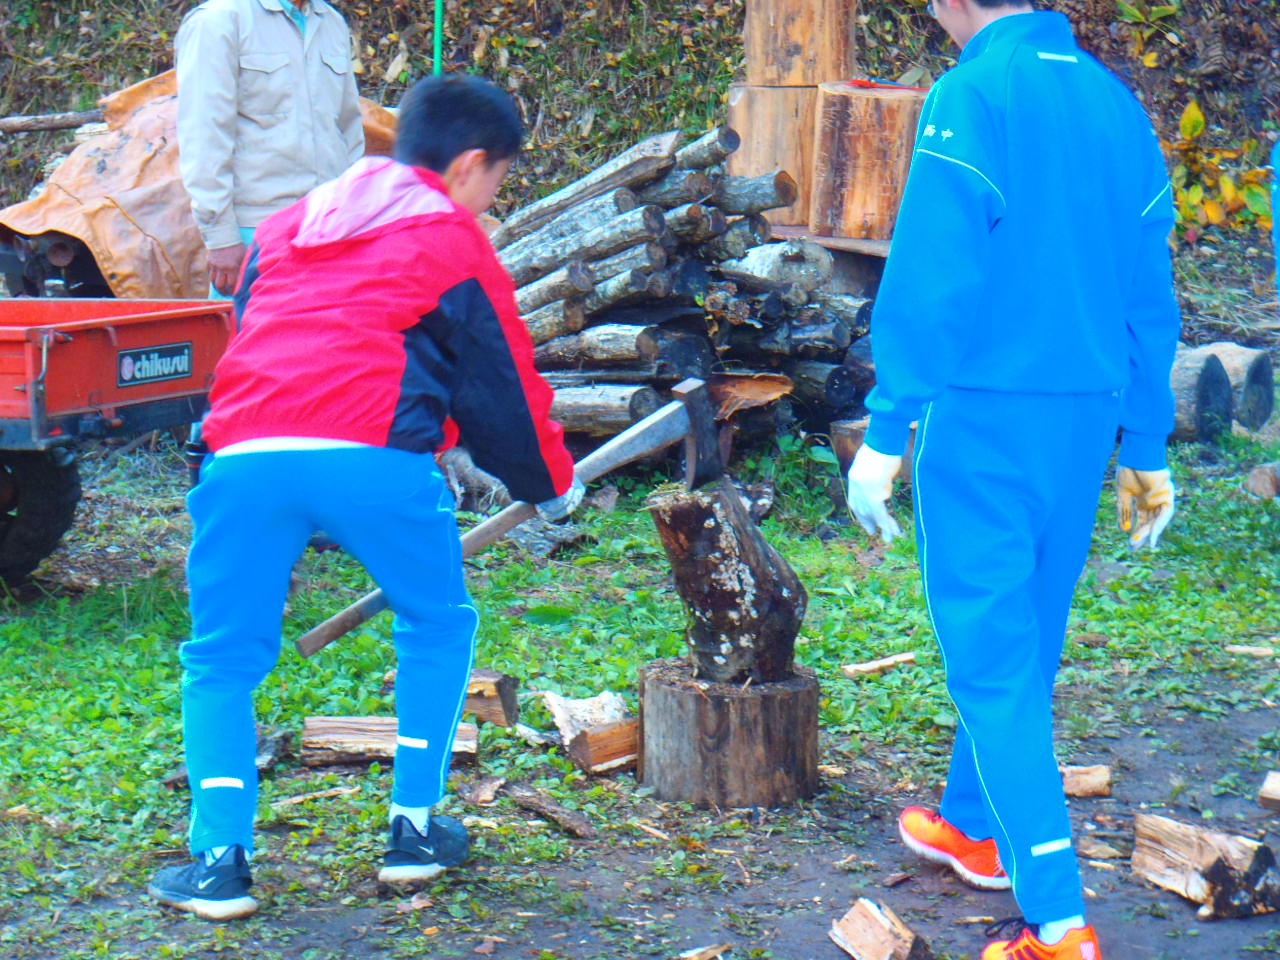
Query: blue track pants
<point>253,514</point>
<point>1006,491</point>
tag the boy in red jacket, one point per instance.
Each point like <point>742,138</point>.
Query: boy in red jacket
<point>371,312</point>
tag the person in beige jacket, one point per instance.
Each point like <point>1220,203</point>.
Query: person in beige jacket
<point>267,110</point>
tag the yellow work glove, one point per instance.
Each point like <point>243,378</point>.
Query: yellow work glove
<point>870,484</point>
<point>1144,504</point>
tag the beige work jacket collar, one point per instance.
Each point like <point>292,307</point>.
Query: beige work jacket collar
<point>316,6</point>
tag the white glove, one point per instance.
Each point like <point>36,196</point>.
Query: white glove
<point>559,508</point>
<point>1144,504</point>
<point>870,484</point>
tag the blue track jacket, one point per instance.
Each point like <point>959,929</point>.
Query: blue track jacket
<point>1031,251</point>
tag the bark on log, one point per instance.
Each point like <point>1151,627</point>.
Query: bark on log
<point>827,384</point>
<point>727,745</point>
<point>649,257</point>
<point>792,261</point>
<point>603,410</point>
<point>743,600</point>
<point>792,43</point>
<point>1264,481</point>
<point>709,149</point>
<point>585,216</point>
<point>639,164</point>
<point>643,375</point>
<point>816,335</point>
<point>327,741</point>
<point>678,188</point>
<point>607,747</point>
<point>1230,876</point>
<point>740,195</point>
<point>557,319</point>
<point>1253,384</point>
<point>1204,403</point>
<point>49,121</point>
<point>571,279</point>
<point>695,222</point>
<point>528,263</point>
<point>604,343</point>
<point>622,288</point>
<point>854,312</point>
<point>780,121</point>
<point>863,142</point>
<point>870,931</point>
<point>738,238</point>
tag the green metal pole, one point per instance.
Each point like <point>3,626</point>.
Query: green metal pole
<point>438,51</point>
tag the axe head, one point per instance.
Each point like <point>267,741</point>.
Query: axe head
<point>702,442</point>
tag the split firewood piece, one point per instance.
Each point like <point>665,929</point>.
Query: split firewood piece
<point>569,281</point>
<point>740,195</point>
<point>573,715</point>
<point>1092,781</point>
<point>1264,481</point>
<point>327,741</point>
<point>1230,876</point>
<point>1269,795</point>
<point>709,149</point>
<point>585,216</point>
<point>1204,403</point>
<point>713,952</point>
<point>607,746</point>
<point>491,697</point>
<point>1094,849</point>
<point>649,257</point>
<point>641,163</point>
<point>569,820</point>
<point>527,262</point>
<point>792,261</point>
<point>744,601</point>
<point>678,188</point>
<point>626,287</point>
<point>314,795</point>
<point>1253,384</point>
<point>695,222</point>
<point>745,390</point>
<point>1261,652</point>
<point>875,667</point>
<point>484,791</point>
<point>870,931</point>
<point>557,319</point>
<point>738,238</point>
<point>603,410</point>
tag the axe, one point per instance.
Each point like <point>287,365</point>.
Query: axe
<point>689,417</point>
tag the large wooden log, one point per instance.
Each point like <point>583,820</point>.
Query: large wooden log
<point>792,261</point>
<point>854,312</point>
<point>738,238</point>
<point>649,257</point>
<point>743,600</point>
<point>528,263</point>
<point>639,164</point>
<point>779,121</point>
<point>603,410</point>
<point>709,149</point>
<point>863,143</point>
<point>826,384</point>
<point>327,741</point>
<point>1253,384</point>
<point>727,745</point>
<point>816,335</point>
<point>623,288</point>
<point>792,43</point>
<point>643,374</point>
<point>1230,876</point>
<point>585,216</point>
<point>678,188</point>
<point>769,191</point>
<point>570,280</point>
<point>696,222</point>
<point>1204,402</point>
<point>49,121</point>
<point>557,319</point>
<point>670,352</point>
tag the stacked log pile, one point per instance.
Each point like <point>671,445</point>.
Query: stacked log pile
<point>658,266</point>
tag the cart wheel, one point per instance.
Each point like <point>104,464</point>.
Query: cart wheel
<point>38,494</point>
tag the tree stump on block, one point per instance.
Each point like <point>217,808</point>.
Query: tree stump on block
<point>727,745</point>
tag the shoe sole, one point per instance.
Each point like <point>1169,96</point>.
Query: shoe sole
<point>410,872</point>
<point>233,909</point>
<point>963,872</point>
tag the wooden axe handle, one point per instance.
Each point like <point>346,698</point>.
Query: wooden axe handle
<point>656,431</point>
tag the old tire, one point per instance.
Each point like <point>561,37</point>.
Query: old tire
<point>39,490</point>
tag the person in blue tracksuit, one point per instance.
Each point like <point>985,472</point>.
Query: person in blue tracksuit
<point>1026,312</point>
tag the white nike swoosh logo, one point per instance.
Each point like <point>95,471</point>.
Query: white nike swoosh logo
<point>205,882</point>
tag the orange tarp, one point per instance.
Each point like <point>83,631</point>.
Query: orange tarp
<point>121,194</point>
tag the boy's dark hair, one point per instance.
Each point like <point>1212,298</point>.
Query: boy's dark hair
<point>444,116</point>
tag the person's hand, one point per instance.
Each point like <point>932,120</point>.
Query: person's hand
<point>559,508</point>
<point>224,268</point>
<point>1144,504</point>
<point>870,484</point>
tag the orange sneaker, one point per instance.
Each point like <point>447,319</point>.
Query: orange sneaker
<point>1080,943</point>
<point>976,861</point>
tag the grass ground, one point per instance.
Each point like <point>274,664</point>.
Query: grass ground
<point>89,715</point>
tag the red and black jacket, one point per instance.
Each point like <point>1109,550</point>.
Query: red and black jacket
<point>375,310</point>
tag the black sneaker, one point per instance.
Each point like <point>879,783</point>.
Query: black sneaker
<point>212,891</point>
<point>412,857</point>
